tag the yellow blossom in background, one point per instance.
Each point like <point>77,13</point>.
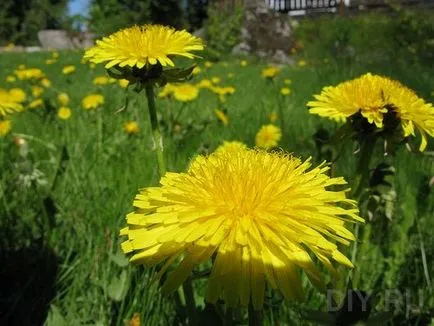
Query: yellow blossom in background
<point>22,66</point>
<point>223,118</point>
<point>101,80</point>
<point>135,321</point>
<point>36,103</point>
<point>375,96</point>
<point>302,63</point>
<point>50,61</point>
<point>268,136</point>
<point>5,127</point>
<point>131,127</point>
<point>243,63</point>
<point>287,81</point>
<point>326,60</point>
<point>205,83</point>
<point>231,75</point>
<point>270,72</point>
<point>67,70</point>
<point>222,91</point>
<point>123,83</point>
<point>285,91</point>
<point>208,64</point>
<point>112,80</point>
<point>196,70</point>
<point>215,80</point>
<point>9,102</point>
<point>63,99</point>
<point>272,117</point>
<point>46,82</point>
<point>185,92</point>
<point>17,95</point>
<point>64,113</point>
<point>37,91</point>
<point>9,47</point>
<point>260,217</point>
<point>55,54</point>
<point>167,90</point>
<point>29,74</point>
<point>10,79</point>
<point>92,101</point>
<point>138,46</point>
<point>231,146</point>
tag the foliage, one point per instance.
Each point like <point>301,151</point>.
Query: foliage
<point>108,16</point>
<point>223,28</point>
<point>168,12</point>
<point>197,13</point>
<point>20,21</point>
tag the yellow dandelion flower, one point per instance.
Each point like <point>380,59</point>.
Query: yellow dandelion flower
<point>50,61</point>
<point>64,113</point>
<point>17,95</point>
<point>185,92</point>
<point>55,54</point>
<point>287,81</point>
<point>10,79</point>
<point>231,146</point>
<point>262,216</point>
<point>196,70</point>
<point>215,80</point>
<point>123,83</point>
<point>167,90</point>
<point>5,127</point>
<point>231,75</point>
<point>326,60</point>
<point>270,72</point>
<point>268,136</point>
<point>46,82</point>
<point>302,63</point>
<point>243,63</point>
<point>285,91</point>
<point>92,101</point>
<point>101,80</point>
<point>63,99</point>
<point>36,103</point>
<point>223,118</point>
<point>208,64</point>
<point>8,103</point>
<point>67,70</point>
<point>29,74</point>
<point>37,91</point>
<point>138,46</point>
<point>205,83</point>
<point>374,96</point>
<point>272,117</point>
<point>9,47</point>
<point>131,127</point>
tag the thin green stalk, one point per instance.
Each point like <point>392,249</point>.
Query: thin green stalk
<point>255,316</point>
<point>156,135</point>
<point>187,286</point>
<point>228,319</point>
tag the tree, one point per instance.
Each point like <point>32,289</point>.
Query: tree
<point>20,20</point>
<point>168,12</point>
<point>108,16</point>
<point>197,13</point>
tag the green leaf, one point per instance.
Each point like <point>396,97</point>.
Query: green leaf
<point>118,287</point>
<point>119,259</point>
<point>55,317</point>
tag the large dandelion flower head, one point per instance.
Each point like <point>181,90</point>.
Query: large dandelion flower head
<point>261,216</point>
<point>377,99</point>
<point>8,102</point>
<point>139,46</point>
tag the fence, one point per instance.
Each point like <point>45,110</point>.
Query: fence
<point>285,6</point>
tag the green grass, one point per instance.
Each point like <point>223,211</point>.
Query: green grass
<point>68,259</point>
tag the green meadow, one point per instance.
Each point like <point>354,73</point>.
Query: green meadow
<point>66,185</point>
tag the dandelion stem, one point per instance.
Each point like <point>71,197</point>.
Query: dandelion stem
<point>156,135</point>
<point>255,318</point>
<point>187,286</point>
